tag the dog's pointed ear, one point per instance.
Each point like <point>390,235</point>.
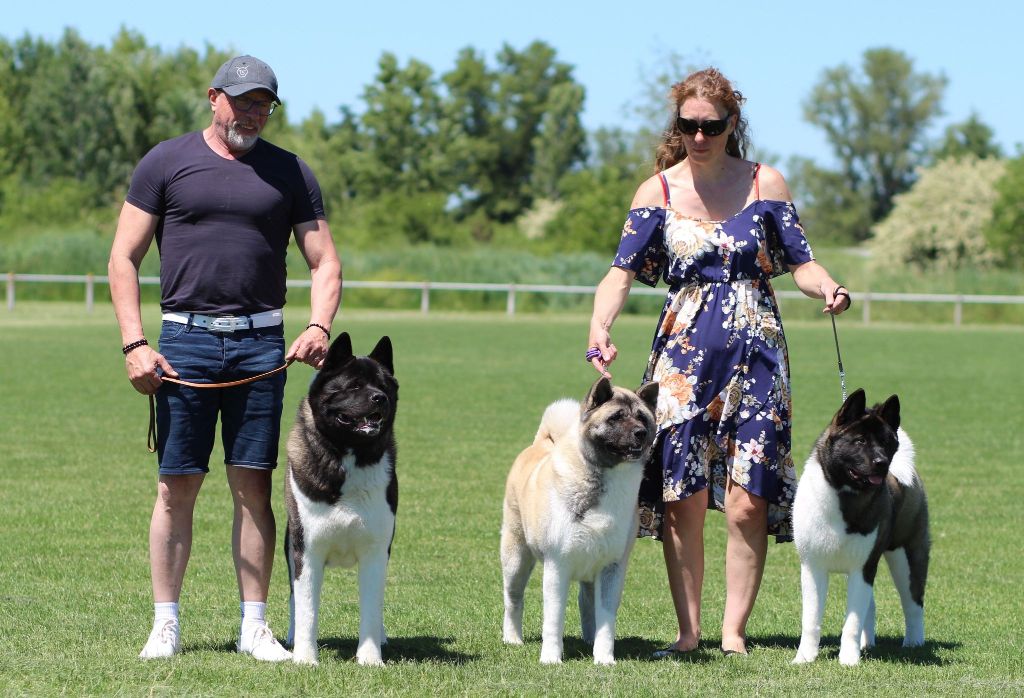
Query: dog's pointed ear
<point>340,352</point>
<point>383,354</point>
<point>852,409</point>
<point>890,412</point>
<point>648,392</point>
<point>600,393</point>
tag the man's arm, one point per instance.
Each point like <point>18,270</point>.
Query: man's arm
<point>135,231</point>
<point>314,241</point>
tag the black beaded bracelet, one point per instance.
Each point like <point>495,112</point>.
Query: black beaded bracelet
<point>133,345</point>
<point>320,327</point>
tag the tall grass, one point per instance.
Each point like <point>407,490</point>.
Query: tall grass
<point>78,489</point>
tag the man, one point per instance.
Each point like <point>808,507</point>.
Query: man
<point>222,205</point>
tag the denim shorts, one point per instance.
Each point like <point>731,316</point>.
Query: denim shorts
<point>250,414</point>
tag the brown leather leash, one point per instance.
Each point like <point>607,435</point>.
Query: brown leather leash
<point>151,436</point>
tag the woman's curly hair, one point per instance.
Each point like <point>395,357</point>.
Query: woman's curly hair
<point>708,84</point>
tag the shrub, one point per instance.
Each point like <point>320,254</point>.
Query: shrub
<point>937,224</point>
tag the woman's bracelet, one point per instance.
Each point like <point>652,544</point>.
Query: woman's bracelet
<point>844,292</point>
<point>321,328</point>
<point>133,345</point>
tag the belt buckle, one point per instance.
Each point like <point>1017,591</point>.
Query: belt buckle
<point>228,324</point>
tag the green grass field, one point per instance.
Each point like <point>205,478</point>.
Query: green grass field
<point>78,488</point>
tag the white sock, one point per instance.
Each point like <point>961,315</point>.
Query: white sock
<point>254,612</point>
<point>165,611</point>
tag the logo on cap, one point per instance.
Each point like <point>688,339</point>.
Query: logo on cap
<point>242,70</point>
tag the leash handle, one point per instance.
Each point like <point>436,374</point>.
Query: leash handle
<point>842,373</point>
<point>151,434</point>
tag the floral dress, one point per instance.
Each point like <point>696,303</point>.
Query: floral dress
<point>719,354</point>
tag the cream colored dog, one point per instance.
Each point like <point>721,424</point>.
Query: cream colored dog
<point>571,502</point>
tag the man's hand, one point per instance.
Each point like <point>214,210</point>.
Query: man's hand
<point>310,348</point>
<point>144,365</point>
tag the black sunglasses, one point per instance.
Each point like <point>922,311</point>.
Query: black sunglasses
<point>710,128</point>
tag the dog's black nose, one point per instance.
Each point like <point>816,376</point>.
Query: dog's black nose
<point>378,398</point>
<point>639,434</point>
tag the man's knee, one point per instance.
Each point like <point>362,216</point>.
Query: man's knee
<point>177,491</point>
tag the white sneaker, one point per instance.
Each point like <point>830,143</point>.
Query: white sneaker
<point>258,641</point>
<point>163,641</point>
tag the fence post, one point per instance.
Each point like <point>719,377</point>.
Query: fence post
<point>865,305</point>
<point>425,298</point>
<point>90,291</point>
<point>10,290</point>
<point>958,311</point>
<point>510,304</point>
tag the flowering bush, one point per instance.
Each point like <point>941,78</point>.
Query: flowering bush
<point>938,224</point>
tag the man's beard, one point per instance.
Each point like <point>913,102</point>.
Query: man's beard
<point>237,141</point>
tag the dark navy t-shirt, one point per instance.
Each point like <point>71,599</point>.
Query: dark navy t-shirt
<point>224,224</point>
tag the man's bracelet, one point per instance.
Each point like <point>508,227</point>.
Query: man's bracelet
<point>133,345</point>
<point>321,328</point>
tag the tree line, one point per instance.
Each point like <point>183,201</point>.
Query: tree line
<point>489,152</point>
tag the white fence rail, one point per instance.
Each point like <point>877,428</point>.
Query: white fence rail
<point>864,298</point>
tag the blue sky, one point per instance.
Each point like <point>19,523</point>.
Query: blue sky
<point>324,53</point>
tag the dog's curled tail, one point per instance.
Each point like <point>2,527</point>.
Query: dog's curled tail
<point>558,419</point>
<point>902,466</point>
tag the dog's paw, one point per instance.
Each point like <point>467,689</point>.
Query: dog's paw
<point>805,655</point>
<point>909,641</point>
<point>512,639</point>
<point>849,656</point>
<point>604,659</point>
<point>305,658</point>
<point>369,657</point>
<point>550,657</point>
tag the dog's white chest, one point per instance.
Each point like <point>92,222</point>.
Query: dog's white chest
<point>601,535</point>
<point>361,520</point>
<point>819,530</point>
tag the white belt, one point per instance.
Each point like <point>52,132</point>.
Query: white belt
<point>228,323</point>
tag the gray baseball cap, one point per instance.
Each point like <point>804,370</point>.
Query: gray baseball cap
<point>244,73</point>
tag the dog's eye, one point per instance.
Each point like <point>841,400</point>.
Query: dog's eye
<point>618,415</point>
<point>859,440</point>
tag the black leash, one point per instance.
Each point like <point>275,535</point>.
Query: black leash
<point>842,373</point>
<point>840,291</point>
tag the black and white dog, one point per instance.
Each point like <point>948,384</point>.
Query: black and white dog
<point>860,498</point>
<point>341,491</point>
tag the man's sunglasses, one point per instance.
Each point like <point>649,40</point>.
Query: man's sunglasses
<point>710,128</point>
<point>263,107</point>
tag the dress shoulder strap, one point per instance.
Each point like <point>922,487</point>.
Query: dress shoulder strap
<point>757,183</point>
<point>664,188</point>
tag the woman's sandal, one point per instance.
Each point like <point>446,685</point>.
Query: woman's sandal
<point>671,652</point>
<point>734,653</point>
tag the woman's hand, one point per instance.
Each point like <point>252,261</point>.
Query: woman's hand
<point>608,302</point>
<point>837,298</point>
<point>814,281</point>
<point>600,351</point>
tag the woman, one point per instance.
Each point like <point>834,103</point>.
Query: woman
<point>716,227</point>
